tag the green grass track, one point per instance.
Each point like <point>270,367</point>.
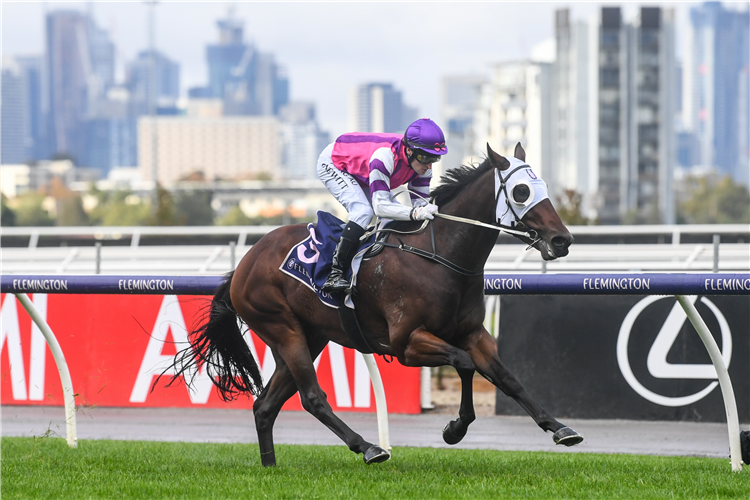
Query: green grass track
<point>46,468</point>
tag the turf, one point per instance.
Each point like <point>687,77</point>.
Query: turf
<point>47,468</point>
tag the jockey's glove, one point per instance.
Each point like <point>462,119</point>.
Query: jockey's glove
<point>424,212</point>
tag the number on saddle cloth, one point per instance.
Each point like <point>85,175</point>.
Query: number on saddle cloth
<point>309,261</point>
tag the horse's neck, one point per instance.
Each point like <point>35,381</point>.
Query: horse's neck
<point>470,245</point>
<point>475,201</point>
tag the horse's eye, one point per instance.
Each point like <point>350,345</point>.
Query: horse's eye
<point>521,193</point>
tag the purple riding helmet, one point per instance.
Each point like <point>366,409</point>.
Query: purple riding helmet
<point>426,141</point>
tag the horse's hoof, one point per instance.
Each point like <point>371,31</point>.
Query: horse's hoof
<point>567,436</point>
<point>268,459</point>
<point>453,433</point>
<point>375,455</point>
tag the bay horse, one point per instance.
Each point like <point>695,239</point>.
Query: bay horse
<point>418,310</point>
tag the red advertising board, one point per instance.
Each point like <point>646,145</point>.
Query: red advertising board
<point>115,345</point>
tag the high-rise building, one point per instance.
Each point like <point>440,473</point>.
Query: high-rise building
<point>715,88</point>
<point>612,143</point>
<point>112,142</point>
<point>250,82</point>
<point>138,78</point>
<point>378,107</point>
<point>513,107</point>
<point>13,116</point>
<point>460,97</point>
<point>79,71</point>
<point>34,139</point>
<point>302,139</point>
<point>102,59</point>
<point>636,112</point>
<point>573,148</point>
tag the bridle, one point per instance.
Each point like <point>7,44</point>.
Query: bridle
<point>530,233</point>
<point>517,227</point>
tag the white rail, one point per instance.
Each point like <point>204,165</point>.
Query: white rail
<point>730,404</point>
<point>205,259</point>
<point>62,368</point>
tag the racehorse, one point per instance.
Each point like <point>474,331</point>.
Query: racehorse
<point>424,312</point>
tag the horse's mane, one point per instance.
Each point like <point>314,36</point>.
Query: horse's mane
<point>455,179</point>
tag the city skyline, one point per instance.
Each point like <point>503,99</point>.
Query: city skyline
<point>380,57</point>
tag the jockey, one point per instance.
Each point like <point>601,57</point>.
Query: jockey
<point>361,170</point>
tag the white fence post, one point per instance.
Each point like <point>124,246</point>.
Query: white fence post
<point>730,404</point>
<point>380,404</point>
<point>62,368</point>
<point>425,388</point>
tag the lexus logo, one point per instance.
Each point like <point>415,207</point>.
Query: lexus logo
<point>657,363</point>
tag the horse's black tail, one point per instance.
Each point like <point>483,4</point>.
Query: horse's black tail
<point>218,346</point>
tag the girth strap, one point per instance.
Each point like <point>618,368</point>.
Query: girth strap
<point>348,316</point>
<point>352,329</point>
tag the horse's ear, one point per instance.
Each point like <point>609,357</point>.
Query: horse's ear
<point>519,152</point>
<point>496,160</point>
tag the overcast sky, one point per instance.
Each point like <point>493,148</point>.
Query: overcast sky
<point>328,48</point>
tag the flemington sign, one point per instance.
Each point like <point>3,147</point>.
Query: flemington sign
<point>32,285</point>
<point>494,284</point>
<point>612,284</point>
<point>116,344</point>
<point>620,346</point>
<point>98,284</point>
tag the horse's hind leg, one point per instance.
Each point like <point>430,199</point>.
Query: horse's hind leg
<point>295,353</point>
<point>279,389</point>
<point>483,351</point>
<point>425,349</point>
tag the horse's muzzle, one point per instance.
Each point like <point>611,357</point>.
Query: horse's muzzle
<point>560,244</point>
<point>557,247</point>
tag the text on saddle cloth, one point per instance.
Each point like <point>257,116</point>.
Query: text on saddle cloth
<point>309,261</point>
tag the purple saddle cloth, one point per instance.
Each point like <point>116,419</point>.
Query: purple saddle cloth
<point>309,261</point>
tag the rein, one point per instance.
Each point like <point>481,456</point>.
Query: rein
<point>497,227</point>
<point>484,224</point>
<point>433,256</point>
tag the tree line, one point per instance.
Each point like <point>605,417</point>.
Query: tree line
<point>59,206</point>
<point>705,200</point>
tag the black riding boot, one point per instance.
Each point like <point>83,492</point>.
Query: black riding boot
<point>346,248</point>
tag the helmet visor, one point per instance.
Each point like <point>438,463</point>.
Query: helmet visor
<point>425,158</point>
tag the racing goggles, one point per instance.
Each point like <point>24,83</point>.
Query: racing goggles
<point>425,158</point>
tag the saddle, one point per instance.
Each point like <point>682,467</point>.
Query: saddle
<point>309,262</point>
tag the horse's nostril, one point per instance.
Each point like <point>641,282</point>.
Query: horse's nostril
<point>560,242</point>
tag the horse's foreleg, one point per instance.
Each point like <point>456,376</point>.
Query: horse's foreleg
<point>455,430</point>
<point>483,351</point>
<point>425,349</point>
